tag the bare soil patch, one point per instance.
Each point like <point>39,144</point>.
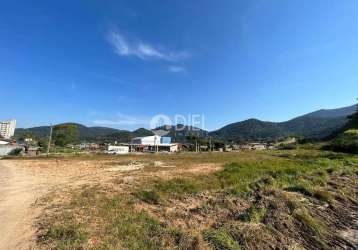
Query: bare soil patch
<point>23,182</point>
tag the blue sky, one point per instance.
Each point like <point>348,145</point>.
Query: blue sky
<point>118,63</point>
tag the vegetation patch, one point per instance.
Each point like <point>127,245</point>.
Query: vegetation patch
<point>266,201</point>
<point>346,142</point>
<point>220,239</point>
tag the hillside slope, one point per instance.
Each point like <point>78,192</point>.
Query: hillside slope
<point>318,124</point>
<point>90,134</point>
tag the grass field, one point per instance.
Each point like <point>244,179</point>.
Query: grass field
<point>293,199</point>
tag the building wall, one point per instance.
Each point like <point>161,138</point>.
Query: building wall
<point>174,148</point>
<point>165,140</point>
<point>147,140</point>
<point>7,128</point>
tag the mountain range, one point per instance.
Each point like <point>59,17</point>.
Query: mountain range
<point>318,124</point>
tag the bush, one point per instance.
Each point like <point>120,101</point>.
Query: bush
<point>151,197</point>
<point>290,146</point>
<point>15,151</point>
<point>220,239</point>
<point>346,142</point>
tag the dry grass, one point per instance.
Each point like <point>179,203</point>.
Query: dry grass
<point>285,199</point>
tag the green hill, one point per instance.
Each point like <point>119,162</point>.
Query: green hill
<point>318,124</point>
<point>89,134</point>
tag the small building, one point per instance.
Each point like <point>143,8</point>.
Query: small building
<point>118,149</point>
<point>89,146</point>
<point>258,146</point>
<point>254,146</point>
<point>235,147</point>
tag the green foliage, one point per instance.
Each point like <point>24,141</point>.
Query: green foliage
<point>178,186</point>
<point>43,143</point>
<point>346,142</point>
<point>270,181</point>
<point>353,121</point>
<point>67,236</point>
<point>65,134</point>
<point>15,151</point>
<point>289,146</point>
<point>151,196</point>
<point>220,239</point>
<point>89,134</point>
<point>255,215</point>
<point>304,217</point>
<point>256,130</point>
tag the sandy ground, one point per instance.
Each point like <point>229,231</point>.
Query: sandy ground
<point>22,182</point>
<point>18,191</point>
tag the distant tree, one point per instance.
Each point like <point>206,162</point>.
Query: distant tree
<point>346,142</point>
<point>218,144</point>
<point>43,144</point>
<point>353,120</point>
<point>29,135</point>
<point>65,134</point>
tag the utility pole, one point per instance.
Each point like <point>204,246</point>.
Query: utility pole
<point>49,140</point>
<point>210,148</point>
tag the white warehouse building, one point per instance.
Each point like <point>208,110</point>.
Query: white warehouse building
<point>153,143</point>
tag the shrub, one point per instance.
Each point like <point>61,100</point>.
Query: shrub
<point>15,151</point>
<point>151,197</point>
<point>221,239</point>
<point>289,146</point>
<point>346,142</point>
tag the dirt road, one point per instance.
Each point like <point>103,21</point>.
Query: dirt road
<point>22,182</point>
<point>19,189</point>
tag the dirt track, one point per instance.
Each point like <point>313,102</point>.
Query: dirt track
<point>18,191</point>
<point>22,182</point>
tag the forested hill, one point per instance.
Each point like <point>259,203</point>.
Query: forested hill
<point>90,134</point>
<point>318,124</point>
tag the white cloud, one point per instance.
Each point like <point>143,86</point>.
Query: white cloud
<point>176,69</point>
<point>124,47</point>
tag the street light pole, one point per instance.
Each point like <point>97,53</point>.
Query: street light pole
<point>49,140</point>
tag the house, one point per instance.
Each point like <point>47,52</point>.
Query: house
<point>235,147</point>
<point>89,146</point>
<point>153,143</point>
<point>258,146</point>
